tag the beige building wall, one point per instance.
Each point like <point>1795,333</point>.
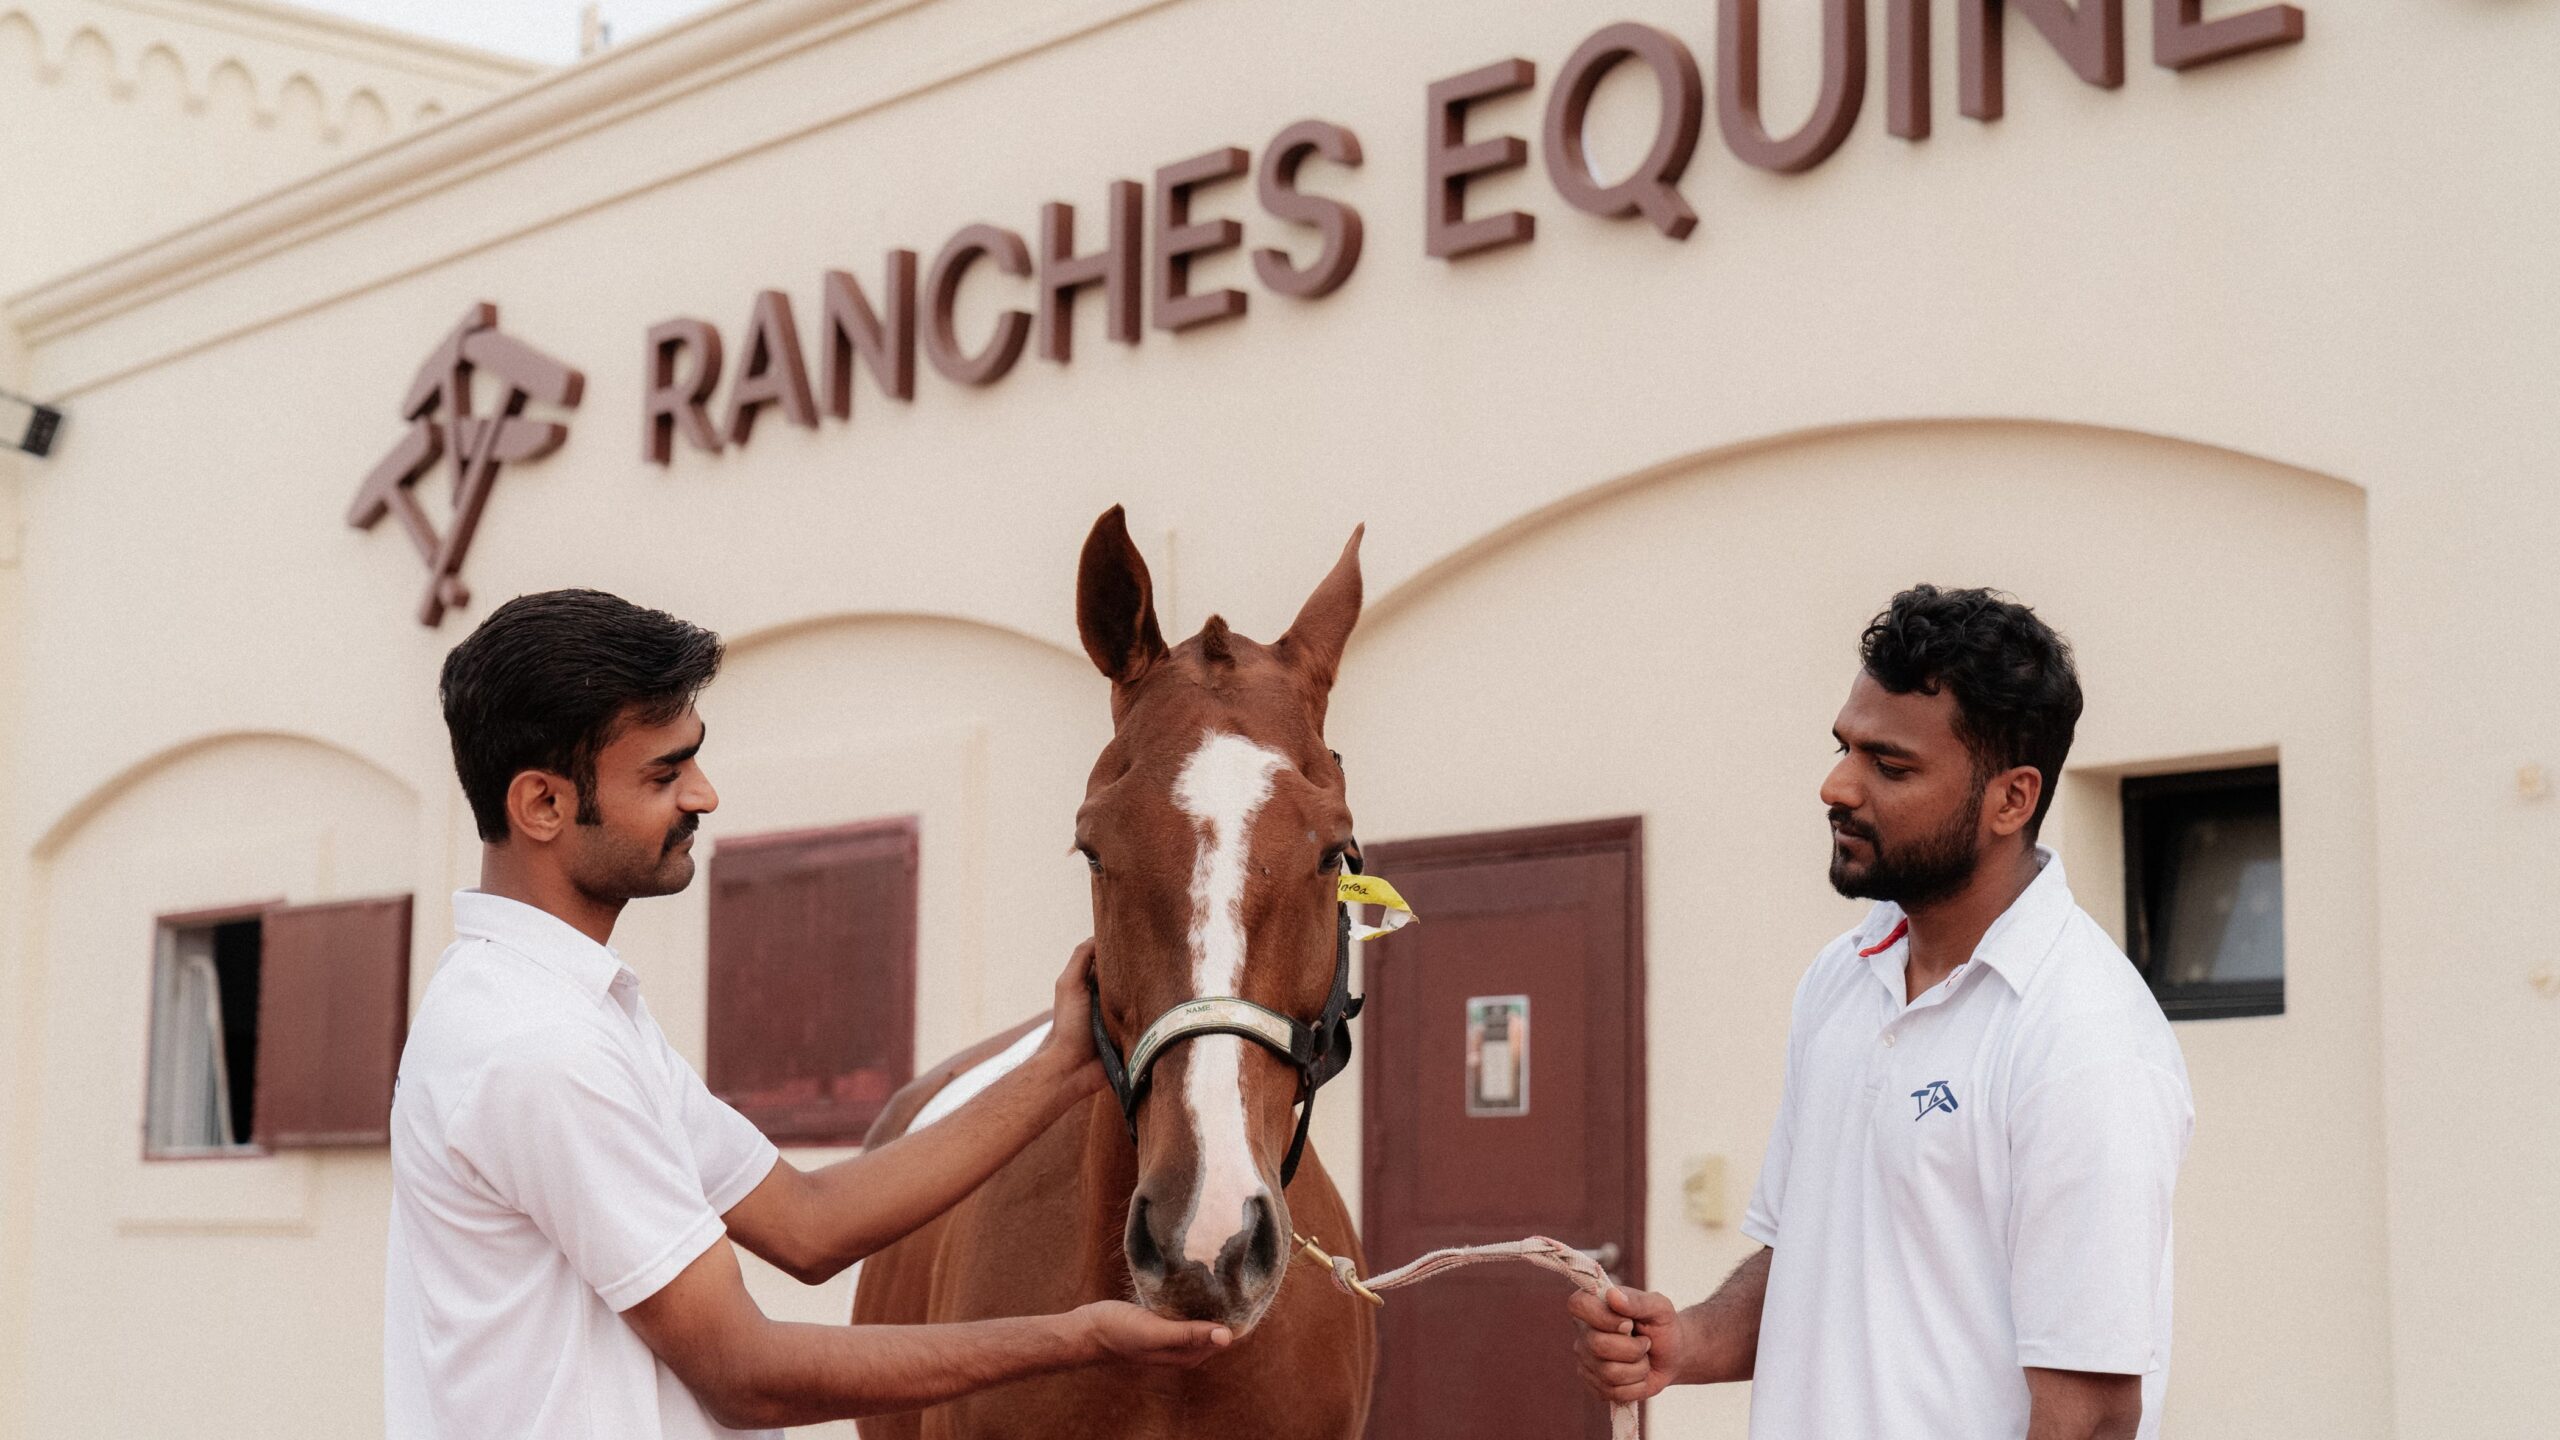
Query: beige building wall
<point>192,106</point>
<point>2239,374</point>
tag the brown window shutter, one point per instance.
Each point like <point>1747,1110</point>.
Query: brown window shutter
<point>333,1009</point>
<point>813,978</point>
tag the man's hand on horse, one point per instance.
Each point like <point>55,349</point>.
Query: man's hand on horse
<point>1069,1048</point>
<point>1146,1338</point>
<point>1629,1343</point>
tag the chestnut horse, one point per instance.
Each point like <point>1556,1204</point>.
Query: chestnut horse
<point>1216,829</point>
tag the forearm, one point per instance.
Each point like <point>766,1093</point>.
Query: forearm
<point>2080,1405</point>
<point>856,1207</point>
<point>784,1374</point>
<point>1721,1333</point>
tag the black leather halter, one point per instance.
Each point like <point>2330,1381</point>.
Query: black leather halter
<point>1319,1051</point>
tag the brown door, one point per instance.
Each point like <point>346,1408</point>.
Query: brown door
<point>1504,1054</point>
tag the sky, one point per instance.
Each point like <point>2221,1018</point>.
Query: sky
<point>544,30</point>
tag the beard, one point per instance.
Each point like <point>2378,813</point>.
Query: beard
<point>1911,873</point>
<point>613,867</point>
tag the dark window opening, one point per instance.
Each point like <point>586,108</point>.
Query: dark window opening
<point>236,951</point>
<point>2204,890</point>
<point>204,1041</point>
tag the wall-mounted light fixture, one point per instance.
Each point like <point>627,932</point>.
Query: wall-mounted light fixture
<point>43,422</point>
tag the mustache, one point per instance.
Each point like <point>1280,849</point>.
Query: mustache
<point>683,831</point>
<point>1841,821</point>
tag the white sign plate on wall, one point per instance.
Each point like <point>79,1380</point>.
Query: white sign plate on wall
<point>1498,1055</point>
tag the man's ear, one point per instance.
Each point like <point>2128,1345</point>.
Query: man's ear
<point>2014,794</point>
<point>540,805</point>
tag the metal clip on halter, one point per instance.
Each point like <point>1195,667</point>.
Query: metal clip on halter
<point>1341,1268</point>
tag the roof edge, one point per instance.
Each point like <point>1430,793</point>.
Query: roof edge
<point>255,15</point>
<point>674,59</point>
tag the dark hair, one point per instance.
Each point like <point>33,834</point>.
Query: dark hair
<point>548,680</point>
<point>2017,693</point>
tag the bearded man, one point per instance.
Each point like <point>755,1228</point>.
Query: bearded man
<point>1965,1203</point>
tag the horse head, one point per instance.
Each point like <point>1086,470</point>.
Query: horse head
<point>1216,828</point>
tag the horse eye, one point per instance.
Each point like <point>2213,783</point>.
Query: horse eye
<point>1092,861</point>
<point>1332,861</point>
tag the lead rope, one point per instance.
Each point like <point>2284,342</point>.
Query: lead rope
<point>1538,1250</point>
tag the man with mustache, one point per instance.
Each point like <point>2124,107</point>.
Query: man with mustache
<point>563,1184</point>
<point>1966,1197</point>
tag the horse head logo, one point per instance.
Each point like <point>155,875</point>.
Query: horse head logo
<point>441,422</point>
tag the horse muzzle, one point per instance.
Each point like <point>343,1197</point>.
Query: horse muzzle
<point>1239,1277</point>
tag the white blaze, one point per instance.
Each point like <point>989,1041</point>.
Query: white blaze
<point>1221,788</point>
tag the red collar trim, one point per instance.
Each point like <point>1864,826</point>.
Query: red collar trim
<point>1901,928</point>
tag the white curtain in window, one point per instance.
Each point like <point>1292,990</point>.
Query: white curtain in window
<point>190,1083</point>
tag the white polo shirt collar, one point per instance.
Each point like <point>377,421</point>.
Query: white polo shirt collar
<point>532,933</point>
<point>2014,946</point>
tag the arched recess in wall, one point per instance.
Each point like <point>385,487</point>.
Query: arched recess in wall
<point>983,734</point>
<point>89,60</point>
<point>367,118</point>
<point>1703,614</point>
<point>839,695</point>
<point>300,109</point>
<point>160,78</point>
<point>271,749</point>
<point>225,820</point>
<point>21,46</point>
<point>1708,463</point>
<point>1677,645</point>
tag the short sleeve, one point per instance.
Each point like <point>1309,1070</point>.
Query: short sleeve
<point>732,1154</point>
<point>1768,1197</point>
<point>2093,1160</point>
<point>1760,1217</point>
<point>564,1129</point>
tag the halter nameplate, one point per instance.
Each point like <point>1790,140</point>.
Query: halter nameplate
<point>1211,1015</point>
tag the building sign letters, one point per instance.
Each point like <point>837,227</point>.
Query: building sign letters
<point>1142,245</point>
<point>1136,253</point>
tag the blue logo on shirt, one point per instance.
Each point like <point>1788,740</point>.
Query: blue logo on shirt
<point>1936,1097</point>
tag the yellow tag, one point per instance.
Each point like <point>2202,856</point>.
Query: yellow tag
<point>1373,890</point>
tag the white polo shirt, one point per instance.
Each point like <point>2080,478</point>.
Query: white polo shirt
<point>554,1162</point>
<point>1969,1184</point>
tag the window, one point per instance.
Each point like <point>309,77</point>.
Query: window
<point>812,978</point>
<point>204,1033</point>
<point>276,1027</point>
<point>2204,890</point>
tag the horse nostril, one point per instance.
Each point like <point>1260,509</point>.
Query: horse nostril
<point>1145,1256</point>
<point>1261,1254</point>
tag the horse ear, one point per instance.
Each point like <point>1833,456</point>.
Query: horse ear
<point>1116,602</point>
<point>1315,639</point>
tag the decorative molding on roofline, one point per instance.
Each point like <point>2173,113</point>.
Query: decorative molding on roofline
<point>352,39</point>
<point>553,109</point>
<point>210,58</point>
